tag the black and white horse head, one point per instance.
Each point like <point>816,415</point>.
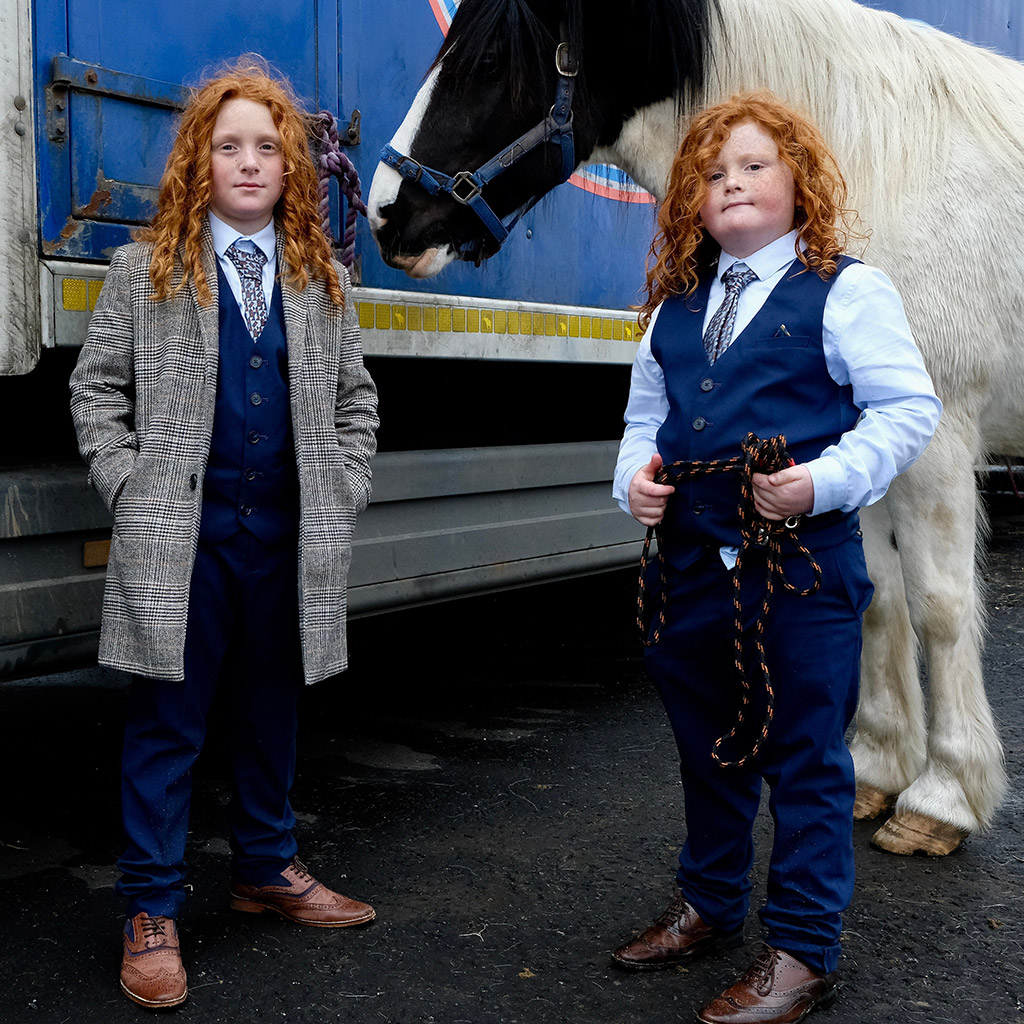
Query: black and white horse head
<point>522,92</point>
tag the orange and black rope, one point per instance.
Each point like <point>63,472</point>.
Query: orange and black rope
<point>768,456</point>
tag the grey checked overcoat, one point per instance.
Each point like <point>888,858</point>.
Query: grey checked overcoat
<point>142,398</point>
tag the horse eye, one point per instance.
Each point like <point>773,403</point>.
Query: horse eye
<point>489,64</point>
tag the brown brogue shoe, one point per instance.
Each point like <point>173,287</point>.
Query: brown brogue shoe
<point>304,900</point>
<point>678,935</point>
<point>777,989</point>
<point>151,970</point>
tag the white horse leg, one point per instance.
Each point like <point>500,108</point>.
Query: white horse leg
<point>934,509</point>
<point>889,746</point>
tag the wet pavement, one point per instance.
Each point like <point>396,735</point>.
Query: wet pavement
<point>497,778</point>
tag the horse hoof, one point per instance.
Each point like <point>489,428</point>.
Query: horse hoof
<point>870,802</point>
<point>908,832</point>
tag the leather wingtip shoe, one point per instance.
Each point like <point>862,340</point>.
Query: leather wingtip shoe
<point>677,936</point>
<point>303,900</point>
<point>776,989</point>
<point>151,971</point>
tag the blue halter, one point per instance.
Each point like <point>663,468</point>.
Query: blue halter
<point>467,187</point>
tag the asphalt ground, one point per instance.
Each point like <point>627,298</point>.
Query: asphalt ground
<point>498,779</point>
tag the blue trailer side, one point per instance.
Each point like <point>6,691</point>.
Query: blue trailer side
<point>501,386</point>
<point>479,484</point>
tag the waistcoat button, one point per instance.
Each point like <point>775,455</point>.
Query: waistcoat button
<point>255,398</point>
<point>699,423</point>
<point>245,510</point>
<point>254,437</point>
<point>250,474</point>
<point>697,508</point>
<point>707,384</point>
<point>255,362</point>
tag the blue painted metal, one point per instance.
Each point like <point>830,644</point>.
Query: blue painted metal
<point>996,24</point>
<point>99,179</point>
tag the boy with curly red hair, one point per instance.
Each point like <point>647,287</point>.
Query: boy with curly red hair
<point>758,323</point>
<point>228,422</point>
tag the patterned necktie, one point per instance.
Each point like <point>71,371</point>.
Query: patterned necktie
<point>254,302</point>
<point>718,336</point>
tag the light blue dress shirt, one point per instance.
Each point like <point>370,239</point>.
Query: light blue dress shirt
<point>265,239</point>
<point>867,344</point>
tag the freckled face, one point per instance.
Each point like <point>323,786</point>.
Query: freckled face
<point>751,192</point>
<point>247,165</point>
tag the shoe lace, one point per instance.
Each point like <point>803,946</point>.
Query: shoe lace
<point>301,870</point>
<point>761,971</point>
<point>673,911</point>
<point>152,926</point>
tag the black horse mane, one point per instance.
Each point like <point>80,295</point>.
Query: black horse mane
<point>666,41</point>
<point>497,37</point>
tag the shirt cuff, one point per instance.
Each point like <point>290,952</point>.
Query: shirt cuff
<point>829,479</point>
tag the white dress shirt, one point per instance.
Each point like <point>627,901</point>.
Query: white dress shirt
<point>265,240</point>
<point>867,345</point>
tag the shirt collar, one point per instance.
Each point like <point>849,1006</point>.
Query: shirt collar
<point>224,235</point>
<point>767,261</point>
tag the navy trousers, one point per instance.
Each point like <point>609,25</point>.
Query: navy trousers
<point>243,636</point>
<point>812,649</point>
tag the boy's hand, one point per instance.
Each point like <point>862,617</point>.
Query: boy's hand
<point>647,499</point>
<point>790,492</point>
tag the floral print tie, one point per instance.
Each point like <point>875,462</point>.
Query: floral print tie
<point>254,302</point>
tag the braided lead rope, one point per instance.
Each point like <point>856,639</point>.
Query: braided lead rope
<point>330,162</point>
<point>768,456</point>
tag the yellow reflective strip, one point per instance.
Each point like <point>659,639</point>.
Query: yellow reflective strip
<point>75,294</point>
<point>95,287</point>
<point>80,295</point>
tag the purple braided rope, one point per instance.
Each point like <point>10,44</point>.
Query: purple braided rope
<point>332,162</point>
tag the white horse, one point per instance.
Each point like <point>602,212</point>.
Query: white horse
<point>930,133</point>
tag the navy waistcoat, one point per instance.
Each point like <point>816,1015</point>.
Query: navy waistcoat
<point>773,379</point>
<point>252,476</point>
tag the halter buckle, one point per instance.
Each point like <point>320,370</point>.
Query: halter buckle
<point>465,179</point>
<point>410,169</point>
<point>565,65</point>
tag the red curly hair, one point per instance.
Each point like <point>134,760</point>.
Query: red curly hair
<point>186,188</point>
<point>682,250</point>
